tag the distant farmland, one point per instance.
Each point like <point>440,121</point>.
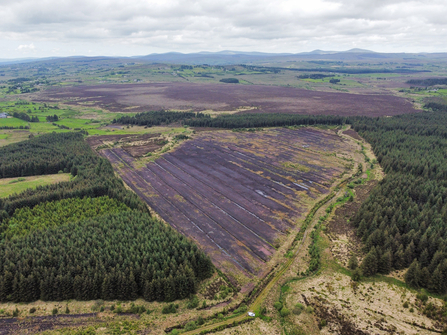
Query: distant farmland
<point>238,194</point>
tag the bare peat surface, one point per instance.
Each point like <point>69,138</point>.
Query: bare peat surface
<point>37,324</point>
<point>237,194</point>
<point>225,97</point>
<point>134,145</point>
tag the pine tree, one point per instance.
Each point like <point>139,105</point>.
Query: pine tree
<point>384,265</point>
<point>413,274</point>
<point>424,258</point>
<point>437,282</point>
<point>353,262</point>
<point>424,278</point>
<point>369,264</point>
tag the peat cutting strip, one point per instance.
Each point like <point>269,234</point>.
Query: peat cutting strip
<point>314,177</point>
<point>228,189</point>
<point>218,217</point>
<point>274,172</point>
<point>221,191</point>
<point>229,192</point>
<point>174,215</point>
<point>241,215</point>
<point>239,175</point>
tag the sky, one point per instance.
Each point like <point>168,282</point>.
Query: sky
<point>47,28</point>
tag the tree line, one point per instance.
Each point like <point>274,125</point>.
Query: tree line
<point>257,120</point>
<point>66,152</point>
<point>156,118</point>
<point>117,256</point>
<point>25,117</point>
<point>436,106</point>
<point>428,81</point>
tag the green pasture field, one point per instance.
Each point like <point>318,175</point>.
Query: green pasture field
<point>12,122</point>
<point>10,186</point>
<point>86,119</point>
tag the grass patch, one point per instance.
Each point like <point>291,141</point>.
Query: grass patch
<point>10,186</point>
<point>295,166</point>
<point>12,122</point>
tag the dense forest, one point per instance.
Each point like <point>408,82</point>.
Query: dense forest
<point>52,153</point>
<point>117,256</point>
<point>403,222</point>
<point>428,82</point>
<point>88,238</point>
<point>156,118</point>
<point>57,213</point>
<point>255,120</point>
<point>436,106</point>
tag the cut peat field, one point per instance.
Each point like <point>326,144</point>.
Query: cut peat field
<point>239,195</point>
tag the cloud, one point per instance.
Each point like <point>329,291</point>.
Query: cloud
<point>144,26</point>
<point>26,47</point>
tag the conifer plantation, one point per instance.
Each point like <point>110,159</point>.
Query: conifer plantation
<point>156,118</point>
<point>88,238</point>
<point>256,120</point>
<point>403,222</point>
<point>67,152</point>
<point>118,256</point>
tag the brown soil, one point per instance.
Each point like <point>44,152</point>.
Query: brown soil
<point>202,129</point>
<point>360,308</point>
<point>32,325</point>
<point>95,141</point>
<point>214,288</point>
<point>224,97</point>
<point>141,150</point>
<point>353,134</point>
<point>341,232</point>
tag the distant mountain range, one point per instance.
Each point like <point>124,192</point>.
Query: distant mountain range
<point>228,57</point>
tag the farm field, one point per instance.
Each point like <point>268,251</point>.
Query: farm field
<point>226,97</point>
<point>9,186</point>
<point>239,194</point>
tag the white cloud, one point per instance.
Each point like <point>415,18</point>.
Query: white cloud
<point>26,47</point>
<point>110,27</point>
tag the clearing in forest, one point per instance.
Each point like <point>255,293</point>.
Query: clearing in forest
<point>10,186</point>
<point>239,194</point>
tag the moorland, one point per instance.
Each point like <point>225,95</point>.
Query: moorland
<point>142,196</point>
